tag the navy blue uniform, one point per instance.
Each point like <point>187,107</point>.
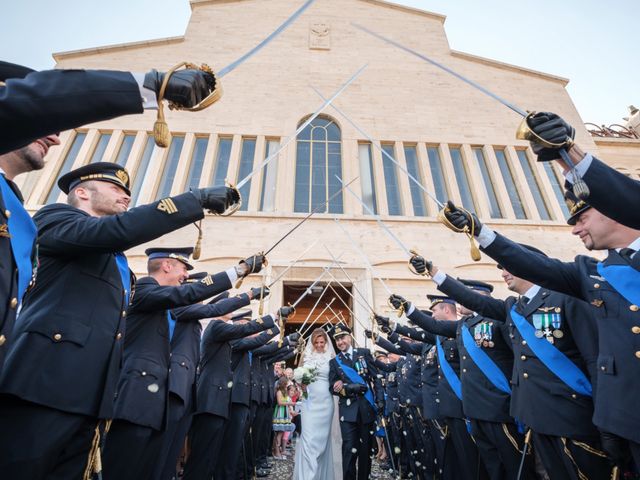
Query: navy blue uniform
<point>8,276</point>
<point>185,355</point>
<point>236,425</point>
<point>494,431</point>
<point>558,416</point>
<point>618,321</point>
<point>602,180</point>
<point>71,327</point>
<point>213,399</point>
<point>141,403</point>
<point>56,100</point>
<point>356,413</point>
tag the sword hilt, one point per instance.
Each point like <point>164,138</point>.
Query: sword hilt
<point>412,269</point>
<point>469,231</point>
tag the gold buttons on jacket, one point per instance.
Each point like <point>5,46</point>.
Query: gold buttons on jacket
<point>638,354</point>
<point>119,336</point>
<point>124,313</point>
<point>464,370</point>
<point>573,395</point>
<point>524,342</point>
<point>634,308</point>
<point>635,329</point>
<point>7,213</point>
<point>596,285</point>
<point>144,374</point>
<point>525,375</point>
<point>2,340</point>
<point>523,358</point>
<point>57,337</point>
<point>14,302</point>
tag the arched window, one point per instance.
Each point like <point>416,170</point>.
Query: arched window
<point>318,161</point>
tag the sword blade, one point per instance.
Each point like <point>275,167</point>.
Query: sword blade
<point>314,211</point>
<point>284,272</point>
<point>315,305</point>
<point>382,151</point>
<point>353,284</point>
<point>421,56</point>
<point>308,289</point>
<point>235,64</point>
<point>377,219</point>
<point>362,254</point>
<point>266,161</point>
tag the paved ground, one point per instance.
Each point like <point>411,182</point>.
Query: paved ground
<point>283,470</point>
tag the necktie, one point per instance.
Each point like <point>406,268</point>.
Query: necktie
<point>626,253</point>
<point>522,301</point>
<point>347,356</point>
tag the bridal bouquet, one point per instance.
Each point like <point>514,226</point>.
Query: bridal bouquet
<point>305,375</point>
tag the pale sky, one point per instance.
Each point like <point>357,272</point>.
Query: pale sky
<point>591,42</point>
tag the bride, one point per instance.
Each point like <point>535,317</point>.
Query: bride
<point>315,458</point>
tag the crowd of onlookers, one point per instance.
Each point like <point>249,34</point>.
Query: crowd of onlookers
<point>286,414</point>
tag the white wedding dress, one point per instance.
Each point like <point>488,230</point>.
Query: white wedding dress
<point>318,452</point>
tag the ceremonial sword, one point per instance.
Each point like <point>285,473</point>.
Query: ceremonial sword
<point>295,227</point>
<point>411,253</point>
<point>161,133</point>
<point>328,102</point>
<point>580,188</point>
<point>261,307</point>
<point>233,65</point>
<point>382,151</point>
<point>364,255</point>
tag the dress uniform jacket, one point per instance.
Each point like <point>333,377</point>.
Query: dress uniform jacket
<point>449,405</point>
<point>410,375</point>
<point>55,100</point>
<point>602,180</point>
<point>260,383</point>
<point>216,378</point>
<point>143,388</point>
<point>618,361</point>
<point>349,409</point>
<point>540,399</point>
<point>185,344</point>
<point>391,384</point>
<point>480,398</point>
<point>8,277</point>
<point>241,366</point>
<point>73,319</point>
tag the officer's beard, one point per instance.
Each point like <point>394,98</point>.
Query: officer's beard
<point>103,206</point>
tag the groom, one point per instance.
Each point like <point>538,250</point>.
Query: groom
<point>354,378</point>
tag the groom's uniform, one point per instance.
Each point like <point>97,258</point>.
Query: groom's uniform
<point>358,404</point>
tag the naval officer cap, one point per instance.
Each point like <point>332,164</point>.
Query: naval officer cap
<point>436,299</point>
<point>477,285</point>
<point>99,171</point>
<point>574,204</point>
<point>181,254</point>
<point>339,330</point>
<point>13,70</point>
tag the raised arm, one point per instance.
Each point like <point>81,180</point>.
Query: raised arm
<point>153,297</point>
<point>199,311</point>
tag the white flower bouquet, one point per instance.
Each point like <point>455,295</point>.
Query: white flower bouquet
<point>305,375</point>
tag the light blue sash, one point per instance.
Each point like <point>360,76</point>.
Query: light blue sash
<point>449,374</point>
<point>22,233</point>
<point>556,361</point>
<point>172,324</point>
<point>353,376</point>
<point>624,278</point>
<point>484,362</point>
<point>125,276</point>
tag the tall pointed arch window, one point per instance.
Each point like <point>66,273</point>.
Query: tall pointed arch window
<point>318,161</point>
